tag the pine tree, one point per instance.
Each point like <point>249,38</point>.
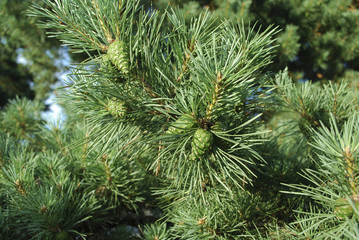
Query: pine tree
<point>180,128</point>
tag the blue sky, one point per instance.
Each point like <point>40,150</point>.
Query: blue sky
<point>55,114</point>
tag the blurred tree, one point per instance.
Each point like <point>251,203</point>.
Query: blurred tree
<point>28,59</point>
<point>327,32</point>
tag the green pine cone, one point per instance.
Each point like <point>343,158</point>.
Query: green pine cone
<point>343,209</point>
<point>116,108</point>
<point>118,54</point>
<point>62,236</point>
<point>201,144</point>
<point>182,124</point>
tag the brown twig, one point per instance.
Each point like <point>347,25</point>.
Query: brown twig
<point>350,168</point>
<point>216,93</point>
<point>99,17</point>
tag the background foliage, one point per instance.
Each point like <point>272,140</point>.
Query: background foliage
<point>318,38</point>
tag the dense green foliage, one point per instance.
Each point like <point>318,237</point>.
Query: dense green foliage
<point>49,186</point>
<point>182,129</point>
<point>319,38</point>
